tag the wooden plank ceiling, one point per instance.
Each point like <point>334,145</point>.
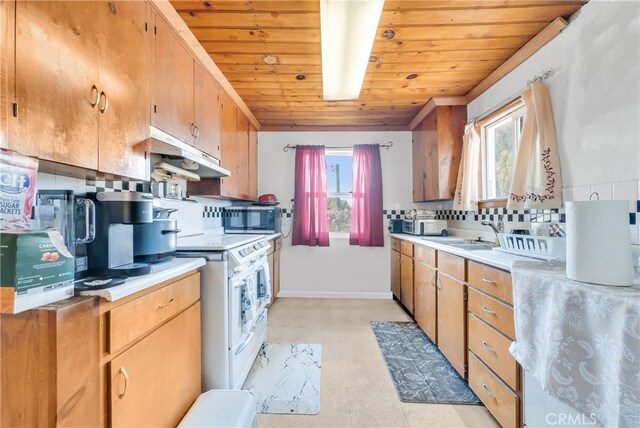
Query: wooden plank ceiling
<point>423,49</point>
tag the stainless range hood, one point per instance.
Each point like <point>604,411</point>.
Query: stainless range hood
<point>176,151</point>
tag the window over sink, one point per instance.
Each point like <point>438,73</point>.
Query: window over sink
<point>500,135</point>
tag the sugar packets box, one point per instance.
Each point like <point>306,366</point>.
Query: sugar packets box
<point>36,269</point>
<point>17,189</point>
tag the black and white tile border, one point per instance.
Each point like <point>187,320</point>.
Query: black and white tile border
<point>117,186</point>
<point>210,211</point>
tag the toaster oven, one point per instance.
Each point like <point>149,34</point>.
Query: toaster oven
<point>425,227</point>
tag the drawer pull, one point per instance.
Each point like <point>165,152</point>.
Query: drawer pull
<point>439,284</point>
<point>124,374</point>
<point>487,310</point>
<point>433,282</point>
<point>484,386</point>
<point>488,281</point>
<point>487,347</point>
<point>164,305</point>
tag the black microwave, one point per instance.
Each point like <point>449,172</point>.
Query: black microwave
<point>252,219</point>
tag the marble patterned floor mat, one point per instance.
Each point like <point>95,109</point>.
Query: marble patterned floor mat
<point>285,378</point>
<point>418,369</point>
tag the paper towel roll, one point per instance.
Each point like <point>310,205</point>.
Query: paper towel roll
<point>598,242</point>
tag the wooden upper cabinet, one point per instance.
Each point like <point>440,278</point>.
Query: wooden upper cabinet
<point>124,70</point>
<point>253,163</point>
<point>7,47</point>
<point>173,94</point>
<point>207,112</point>
<point>242,143</point>
<point>229,150</point>
<point>57,57</point>
<point>81,92</point>
<point>437,145</point>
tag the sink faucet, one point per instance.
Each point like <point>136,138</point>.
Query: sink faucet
<point>497,227</point>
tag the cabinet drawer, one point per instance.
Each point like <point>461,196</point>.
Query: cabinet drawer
<point>406,248</point>
<point>133,319</point>
<point>491,280</point>
<point>395,244</point>
<point>493,349</point>
<point>496,396</point>
<point>492,311</point>
<point>426,255</point>
<point>451,265</point>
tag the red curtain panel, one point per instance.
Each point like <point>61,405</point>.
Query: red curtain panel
<point>366,210</point>
<point>310,216</point>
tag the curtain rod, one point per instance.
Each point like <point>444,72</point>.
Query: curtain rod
<point>384,146</point>
<point>539,78</point>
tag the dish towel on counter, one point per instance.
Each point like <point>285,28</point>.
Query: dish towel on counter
<point>249,310</point>
<point>580,341</point>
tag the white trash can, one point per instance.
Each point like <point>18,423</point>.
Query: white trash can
<point>222,408</point>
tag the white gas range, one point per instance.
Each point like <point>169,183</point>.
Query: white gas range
<point>235,288</point>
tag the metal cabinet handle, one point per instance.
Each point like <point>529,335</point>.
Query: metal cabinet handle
<point>487,310</point>
<point>484,386</point>
<point>433,277</point>
<point>487,347</point>
<point>439,284</point>
<point>488,281</point>
<point>192,128</point>
<point>106,102</point>
<point>164,305</point>
<point>197,132</point>
<point>124,374</point>
<point>94,89</point>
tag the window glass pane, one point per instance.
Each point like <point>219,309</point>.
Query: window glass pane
<point>503,150</point>
<point>339,173</point>
<point>339,213</point>
<point>500,146</point>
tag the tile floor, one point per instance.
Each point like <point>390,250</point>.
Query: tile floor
<point>356,389</point>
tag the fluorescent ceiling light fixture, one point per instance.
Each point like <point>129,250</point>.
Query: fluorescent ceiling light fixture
<point>348,28</point>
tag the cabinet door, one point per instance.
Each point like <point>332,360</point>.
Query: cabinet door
<point>430,157</point>
<point>395,274</point>
<point>406,282</point>
<point>253,163</point>
<point>243,155</point>
<point>173,84</point>
<point>417,157</point>
<point>276,273</point>
<point>57,55</point>
<point>229,154</point>
<point>451,120</point>
<point>452,337</point>
<point>7,48</point>
<point>155,382</point>
<point>124,125</point>
<point>425,299</point>
<point>207,112</point>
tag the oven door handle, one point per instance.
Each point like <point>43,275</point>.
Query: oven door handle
<point>244,344</point>
<point>260,318</point>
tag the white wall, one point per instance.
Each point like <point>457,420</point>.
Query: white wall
<point>595,91</point>
<point>340,270</point>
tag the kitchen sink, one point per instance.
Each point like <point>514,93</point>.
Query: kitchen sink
<point>443,240</point>
<point>474,246</point>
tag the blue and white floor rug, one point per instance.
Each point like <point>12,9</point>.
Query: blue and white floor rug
<point>418,369</point>
<point>285,378</point>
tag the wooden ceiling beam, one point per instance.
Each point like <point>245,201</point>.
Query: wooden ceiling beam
<point>432,104</point>
<point>335,128</point>
<point>534,45</point>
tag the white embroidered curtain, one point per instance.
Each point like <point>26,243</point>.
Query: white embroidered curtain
<point>468,184</point>
<point>536,179</point>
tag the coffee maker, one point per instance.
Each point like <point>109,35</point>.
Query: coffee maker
<point>73,215</point>
<point>111,252</point>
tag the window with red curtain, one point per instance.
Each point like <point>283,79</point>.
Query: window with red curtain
<point>310,217</point>
<point>366,207</point>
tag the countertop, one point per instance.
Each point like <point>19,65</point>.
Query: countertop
<point>160,272</point>
<point>489,257</point>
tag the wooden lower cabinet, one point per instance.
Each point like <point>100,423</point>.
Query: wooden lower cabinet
<point>153,383</point>
<point>425,303</point>
<point>274,266</point>
<point>50,369</point>
<point>395,274</point>
<point>406,282</point>
<point>452,322</point>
